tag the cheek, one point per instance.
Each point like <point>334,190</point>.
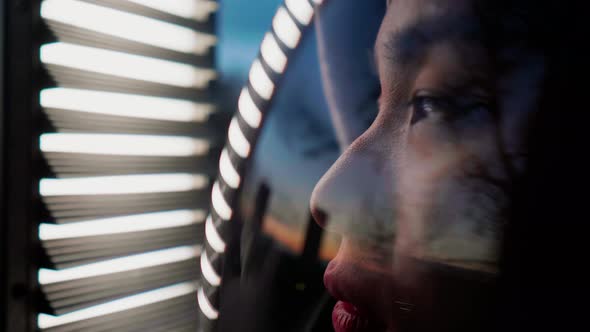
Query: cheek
<point>440,195</point>
<point>519,103</point>
<point>427,164</point>
<point>431,157</point>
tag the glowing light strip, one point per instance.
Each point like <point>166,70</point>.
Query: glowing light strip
<point>125,65</point>
<point>302,10</point>
<point>237,140</point>
<point>127,184</point>
<point>219,204</point>
<point>285,28</point>
<point>45,321</point>
<point>116,265</point>
<point>287,32</point>
<point>118,225</point>
<point>208,272</point>
<point>205,306</point>
<point>272,54</point>
<point>128,105</point>
<point>191,9</point>
<point>128,145</point>
<point>213,238</point>
<point>227,171</point>
<point>249,111</point>
<point>126,25</point>
<point>260,80</point>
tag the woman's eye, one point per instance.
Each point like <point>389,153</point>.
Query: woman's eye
<point>424,106</point>
<point>447,109</point>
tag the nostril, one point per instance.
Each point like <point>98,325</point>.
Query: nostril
<point>320,216</point>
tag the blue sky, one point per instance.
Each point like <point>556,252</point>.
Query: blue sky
<point>297,144</point>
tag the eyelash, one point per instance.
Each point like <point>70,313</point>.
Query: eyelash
<point>444,108</point>
<point>426,106</point>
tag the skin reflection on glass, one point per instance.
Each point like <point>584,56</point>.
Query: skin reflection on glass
<point>420,198</point>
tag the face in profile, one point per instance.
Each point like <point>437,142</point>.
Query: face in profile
<point>421,197</point>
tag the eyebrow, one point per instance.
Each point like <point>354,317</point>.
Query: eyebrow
<point>409,45</point>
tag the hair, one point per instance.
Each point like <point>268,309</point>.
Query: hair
<point>543,254</point>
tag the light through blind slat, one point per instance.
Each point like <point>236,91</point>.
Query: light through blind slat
<point>125,65</point>
<point>248,109</point>
<point>285,28</point>
<point>190,9</point>
<point>237,140</point>
<point>208,272</point>
<point>125,224</point>
<point>228,171</point>
<point>260,81</point>
<point>272,54</point>
<point>127,184</point>
<point>129,145</point>
<point>133,262</point>
<point>213,237</point>
<point>122,104</point>
<point>205,306</point>
<point>45,321</point>
<point>219,204</point>
<point>126,25</point>
<point>302,10</point>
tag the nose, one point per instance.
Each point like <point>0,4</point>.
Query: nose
<point>355,194</point>
<point>319,215</point>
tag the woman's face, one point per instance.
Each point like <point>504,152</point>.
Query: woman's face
<point>420,198</point>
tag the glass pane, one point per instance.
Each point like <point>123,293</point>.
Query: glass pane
<point>381,188</point>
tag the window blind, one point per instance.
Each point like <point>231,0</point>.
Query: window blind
<point>130,139</point>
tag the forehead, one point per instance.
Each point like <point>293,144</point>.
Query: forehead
<point>406,12</point>
<point>410,23</point>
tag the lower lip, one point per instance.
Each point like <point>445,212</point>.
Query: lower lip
<point>346,318</point>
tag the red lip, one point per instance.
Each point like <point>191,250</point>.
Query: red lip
<point>346,318</point>
<point>364,294</point>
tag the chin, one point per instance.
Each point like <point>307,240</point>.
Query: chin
<point>412,296</point>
